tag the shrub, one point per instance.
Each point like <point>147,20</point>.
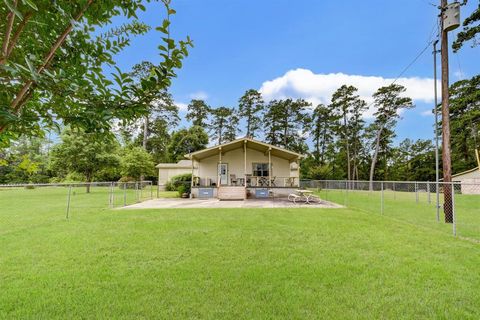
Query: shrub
<point>176,182</point>
<point>129,183</point>
<point>74,177</point>
<point>170,186</point>
<point>181,190</point>
<point>55,180</point>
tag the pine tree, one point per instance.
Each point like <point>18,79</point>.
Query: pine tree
<point>346,104</point>
<point>251,107</point>
<point>287,122</point>
<point>271,121</point>
<point>389,102</point>
<point>231,127</point>
<point>322,131</point>
<point>223,125</point>
<point>198,112</point>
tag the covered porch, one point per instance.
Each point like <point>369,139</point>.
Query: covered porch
<point>243,168</point>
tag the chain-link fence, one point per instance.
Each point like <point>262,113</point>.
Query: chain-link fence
<point>26,205</point>
<point>447,207</point>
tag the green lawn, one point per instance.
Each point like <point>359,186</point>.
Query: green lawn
<point>404,206</point>
<point>219,263</point>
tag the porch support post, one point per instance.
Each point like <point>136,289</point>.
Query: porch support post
<point>298,171</point>
<point>218,167</point>
<point>269,167</point>
<point>191,182</point>
<point>245,163</point>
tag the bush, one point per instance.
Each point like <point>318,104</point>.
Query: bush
<point>55,180</point>
<point>170,186</point>
<point>74,177</point>
<point>181,190</point>
<point>129,183</point>
<point>181,180</point>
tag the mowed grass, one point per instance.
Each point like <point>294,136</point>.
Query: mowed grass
<point>404,206</point>
<point>227,263</point>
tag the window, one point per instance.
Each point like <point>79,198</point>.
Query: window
<point>260,169</point>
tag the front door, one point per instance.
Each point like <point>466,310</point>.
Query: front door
<point>223,173</point>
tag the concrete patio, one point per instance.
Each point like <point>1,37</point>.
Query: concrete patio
<point>215,203</point>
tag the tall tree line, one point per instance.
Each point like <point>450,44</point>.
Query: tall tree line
<point>338,140</point>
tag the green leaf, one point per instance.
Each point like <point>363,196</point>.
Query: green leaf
<point>13,9</point>
<point>31,4</point>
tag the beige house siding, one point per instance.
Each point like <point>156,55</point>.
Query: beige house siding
<point>470,182</point>
<point>207,168</point>
<point>165,174</point>
<point>166,171</point>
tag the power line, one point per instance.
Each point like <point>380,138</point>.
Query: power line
<point>430,41</point>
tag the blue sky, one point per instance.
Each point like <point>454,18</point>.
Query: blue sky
<point>304,48</point>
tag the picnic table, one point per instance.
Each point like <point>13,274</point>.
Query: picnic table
<point>305,194</point>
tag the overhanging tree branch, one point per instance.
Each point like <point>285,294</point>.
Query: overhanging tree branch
<point>8,31</point>
<point>15,37</point>
<point>16,103</point>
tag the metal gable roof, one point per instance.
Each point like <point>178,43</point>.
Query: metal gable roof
<point>251,144</point>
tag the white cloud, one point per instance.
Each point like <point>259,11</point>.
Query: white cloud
<point>199,95</point>
<point>181,106</point>
<point>459,75</point>
<point>318,88</point>
<point>427,113</point>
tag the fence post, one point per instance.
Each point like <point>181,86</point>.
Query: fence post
<point>428,193</point>
<point>454,216</point>
<point>416,191</point>
<point>124,194</point>
<point>140,191</point>
<point>394,193</point>
<point>151,190</point>
<point>136,191</point>
<point>346,192</point>
<point>381,197</point>
<point>68,200</point>
<point>111,195</point>
<point>437,191</point>
<point>326,190</point>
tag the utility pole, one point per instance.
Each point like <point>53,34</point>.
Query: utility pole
<point>437,158</point>
<point>446,26</point>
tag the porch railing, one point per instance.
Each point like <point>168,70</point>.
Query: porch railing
<point>251,181</point>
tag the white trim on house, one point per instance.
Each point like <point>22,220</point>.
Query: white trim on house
<point>283,169</point>
<point>251,143</point>
<point>466,172</point>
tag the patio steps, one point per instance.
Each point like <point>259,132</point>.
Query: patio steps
<point>232,193</point>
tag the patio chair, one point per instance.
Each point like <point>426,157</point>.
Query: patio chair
<point>263,182</point>
<point>233,179</point>
<point>272,182</point>
<point>249,180</point>
<point>290,182</point>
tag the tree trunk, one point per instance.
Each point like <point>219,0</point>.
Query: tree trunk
<point>347,147</point>
<point>374,158</point>
<point>145,133</point>
<point>89,180</point>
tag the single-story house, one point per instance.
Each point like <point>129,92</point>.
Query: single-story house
<point>470,180</point>
<point>244,168</point>
<point>168,170</point>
